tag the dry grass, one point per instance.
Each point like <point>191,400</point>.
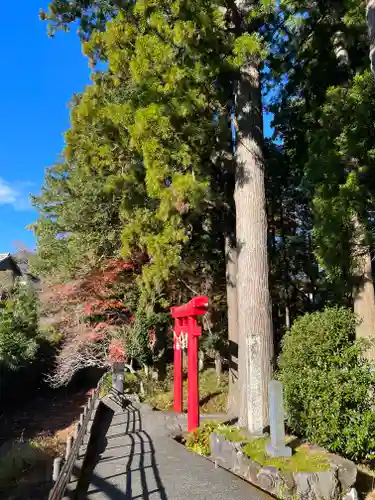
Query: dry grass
<point>366,481</point>
<point>213,396</point>
<point>25,467</point>
<point>26,456</point>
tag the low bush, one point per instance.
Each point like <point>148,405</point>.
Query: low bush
<point>106,384</point>
<point>328,383</point>
<point>198,441</point>
<point>27,464</point>
<point>131,383</point>
<point>19,328</point>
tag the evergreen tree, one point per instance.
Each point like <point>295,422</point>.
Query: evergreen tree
<point>150,144</point>
<point>255,336</point>
<point>19,328</point>
<point>172,67</point>
<point>334,158</point>
<point>91,14</point>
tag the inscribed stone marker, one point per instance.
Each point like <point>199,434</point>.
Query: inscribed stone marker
<point>277,448</point>
<point>118,377</point>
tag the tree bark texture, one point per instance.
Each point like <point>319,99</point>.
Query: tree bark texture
<point>370,14</point>
<point>254,309</point>
<point>363,290</point>
<point>231,280</point>
<point>218,368</point>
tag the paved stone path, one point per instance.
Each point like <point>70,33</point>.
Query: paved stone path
<point>135,459</point>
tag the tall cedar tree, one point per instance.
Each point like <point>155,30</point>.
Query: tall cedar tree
<point>335,158</point>
<point>178,63</point>
<point>311,207</point>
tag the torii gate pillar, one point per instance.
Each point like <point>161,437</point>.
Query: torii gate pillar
<point>186,333</point>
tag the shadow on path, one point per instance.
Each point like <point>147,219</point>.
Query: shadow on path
<point>131,470</point>
<point>96,446</point>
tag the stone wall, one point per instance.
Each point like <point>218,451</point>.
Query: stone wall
<point>334,484</point>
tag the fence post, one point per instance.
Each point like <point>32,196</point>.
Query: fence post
<point>69,443</point>
<point>56,468</point>
<point>77,429</point>
<point>60,479</point>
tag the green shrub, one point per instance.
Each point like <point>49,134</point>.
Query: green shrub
<point>199,440</point>
<point>106,384</point>
<point>19,328</point>
<point>137,336</point>
<point>131,383</point>
<point>328,384</point>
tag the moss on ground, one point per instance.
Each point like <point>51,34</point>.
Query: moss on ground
<point>106,384</point>
<point>303,458</point>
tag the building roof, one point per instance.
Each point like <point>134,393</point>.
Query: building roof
<point>4,256</point>
<point>20,267</point>
<point>8,257</point>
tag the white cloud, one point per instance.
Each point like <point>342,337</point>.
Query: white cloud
<point>8,195</point>
<point>14,195</point>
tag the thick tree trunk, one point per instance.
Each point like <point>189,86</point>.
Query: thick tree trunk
<point>254,312</point>
<point>363,290</point>
<point>363,298</point>
<point>231,279</point>
<point>339,47</point>
<point>364,294</point>
<point>218,367</point>
<point>287,317</point>
<point>371,32</point>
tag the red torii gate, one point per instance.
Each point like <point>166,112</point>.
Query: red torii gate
<point>185,334</point>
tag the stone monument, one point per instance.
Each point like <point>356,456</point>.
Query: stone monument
<point>277,448</point>
<point>118,377</point>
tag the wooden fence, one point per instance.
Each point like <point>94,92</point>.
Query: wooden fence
<point>63,468</point>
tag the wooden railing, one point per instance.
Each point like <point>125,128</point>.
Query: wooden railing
<point>62,469</point>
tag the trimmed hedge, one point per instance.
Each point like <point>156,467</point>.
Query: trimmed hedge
<point>328,384</point>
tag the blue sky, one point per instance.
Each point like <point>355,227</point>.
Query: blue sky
<point>38,79</point>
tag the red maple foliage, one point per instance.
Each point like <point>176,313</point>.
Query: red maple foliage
<point>88,311</point>
<point>93,293</point>
<point>98,333</point>
<point>116,351</point>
